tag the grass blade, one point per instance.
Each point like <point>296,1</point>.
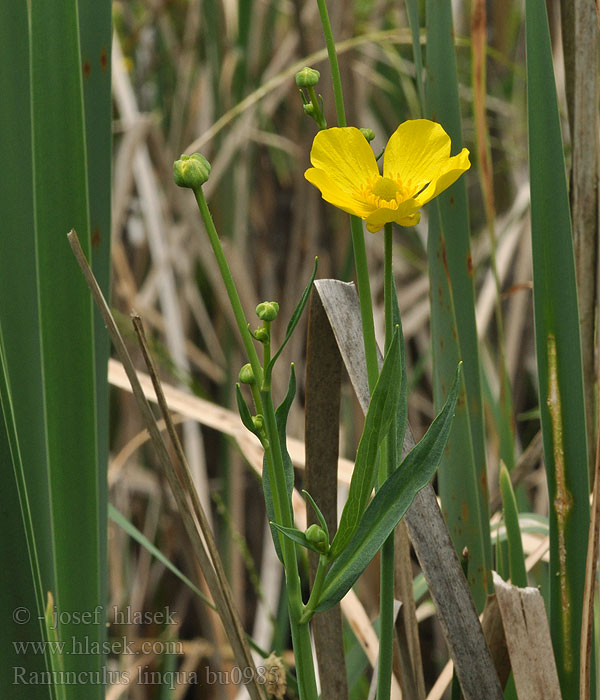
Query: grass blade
<point>66,320</point>
<point>462,474</point>
<point>558,353</point>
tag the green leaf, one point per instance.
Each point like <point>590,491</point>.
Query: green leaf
<point>382,410</point>
<point>281,416</point>
<point>317,510</point>
<point>296,536</point>
<point>402,407</point>
<point>118,518</point>
<point>558,349</point>
<point>516,558</point>
<point>293,320</point>
<point>244,411</point>
<point>462,477</point>
<point>390,503</point>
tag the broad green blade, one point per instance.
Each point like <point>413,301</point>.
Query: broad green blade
<point>66,323</point>
<point>462,474</point>
<point>391,501</point>
<point>95,32</point>
<point>558,350</point>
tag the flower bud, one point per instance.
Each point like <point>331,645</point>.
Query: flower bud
<point>246,375</point>
<point>259,422</point>
<point>267,310</point>
<point>318,538</point>
<point>369,134</point>
<point>309,108</point>
<point>191,171</point>
<point>307,77</point>
<point>261,334</point>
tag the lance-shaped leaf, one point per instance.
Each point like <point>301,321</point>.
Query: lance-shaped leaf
<point>390,503</point>
<point>382,410</point>
<point>293,320</point>
<point>281,416</point>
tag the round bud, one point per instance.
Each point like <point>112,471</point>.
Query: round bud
<point>267,310</point>
<point>259,422</point>
<point>246,375</point>
<point>318,538</point>
<point>261,334</point>
<point>309,108</point>
<point>369,134</point>
<point>191,171</point>
<point>307,77</point>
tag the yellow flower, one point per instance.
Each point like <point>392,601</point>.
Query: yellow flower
<point>416,167</point>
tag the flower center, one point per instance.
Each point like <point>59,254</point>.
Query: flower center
<point>386,189</point>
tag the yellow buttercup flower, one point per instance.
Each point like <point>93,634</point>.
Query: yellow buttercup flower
<point>416,167</point>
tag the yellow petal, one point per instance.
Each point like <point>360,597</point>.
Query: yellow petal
<point>332,193</point>
<point>447,175</point>
<point>407,214</point>
<point>345,156</point>
<point>415,152</point>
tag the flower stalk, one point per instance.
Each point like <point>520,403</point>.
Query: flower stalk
<point>261,392</point>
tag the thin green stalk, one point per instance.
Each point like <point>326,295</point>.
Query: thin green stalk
<point>232,293</point>
<point>358,242</point>
<point>274,460</point>
<point>386,576</point>
<point>366,312</point>
<point>313,599</point>
<point>333,62</point>
<point>364,297</point>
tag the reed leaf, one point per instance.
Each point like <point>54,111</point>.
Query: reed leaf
<point>558,349</point>
<point>462,473</point>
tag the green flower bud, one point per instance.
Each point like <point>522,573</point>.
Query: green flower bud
<point>191,171</point>
<point>307,77</point>
<point>246,375</point>
<point>267,310</point>
<point>309,108</point>
<point>318,538</point>
<point>369,134</point>
<point>259,422</point>
<point>261,334</point>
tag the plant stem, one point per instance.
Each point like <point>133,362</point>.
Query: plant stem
<point>388,455</point>
<point>364,297</point>
<point>274,460</point>
<point>333,62</point>
<point>232,293</point>
<point>316,589</point>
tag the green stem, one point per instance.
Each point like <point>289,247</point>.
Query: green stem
<point>386,593</point>
<point>305,671</point>
<point>333,62</point>
<point>364,297</point>
<point>232,293</point>
<point>316,589</point>
<point>317,114</point>
<point>274,459</point>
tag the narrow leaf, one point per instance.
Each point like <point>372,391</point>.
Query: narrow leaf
<point>558,349</point>
<point>516,559</point>
<point>382,409</point>
<point>317,510</point>
<point>390,503</point>
<point>294,319</point>
<point>281,416</point>
<point>296,536</point>
<point>244,410</point>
